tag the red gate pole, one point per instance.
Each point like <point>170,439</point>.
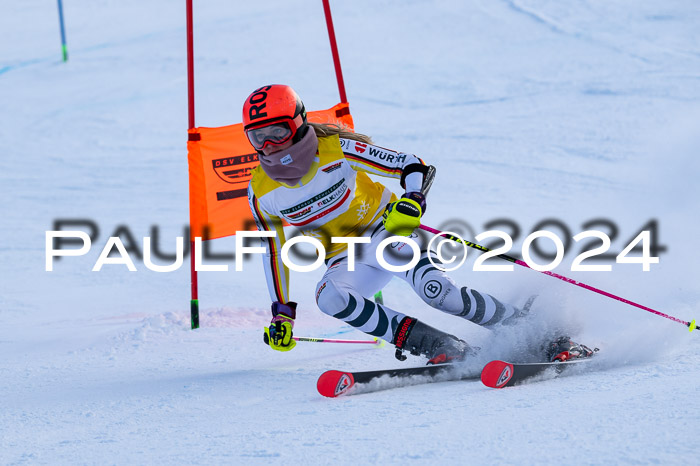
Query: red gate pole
<point>334,51</point>
<point>194,302</point>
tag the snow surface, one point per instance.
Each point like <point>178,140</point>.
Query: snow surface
<point>530,109</point>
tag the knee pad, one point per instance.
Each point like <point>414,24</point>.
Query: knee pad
<point>439,291</point>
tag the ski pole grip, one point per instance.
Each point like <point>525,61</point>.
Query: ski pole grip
<point>428,180</point>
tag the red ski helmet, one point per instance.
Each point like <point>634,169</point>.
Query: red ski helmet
<point>272,115</point>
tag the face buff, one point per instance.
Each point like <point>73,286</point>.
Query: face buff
<point>288,166</point>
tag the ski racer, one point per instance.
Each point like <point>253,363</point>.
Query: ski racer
<point>315,177</point>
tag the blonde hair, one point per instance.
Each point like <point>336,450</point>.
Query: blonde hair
<point>329,129</point>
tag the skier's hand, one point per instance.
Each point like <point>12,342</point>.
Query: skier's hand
<point>278,335</point>
<point>403,216</point>
<point>418,197</point>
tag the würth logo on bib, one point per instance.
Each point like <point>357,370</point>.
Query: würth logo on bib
<point>360,148</point>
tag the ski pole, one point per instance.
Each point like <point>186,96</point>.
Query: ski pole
<point>691,325</point>
<point>64,47</point>
<point>376,341</point>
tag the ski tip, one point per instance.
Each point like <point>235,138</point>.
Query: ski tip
<point>334,383</point>
<point>497,374</point>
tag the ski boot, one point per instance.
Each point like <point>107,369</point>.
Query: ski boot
<point>421,339</point>
<point>564,349</point>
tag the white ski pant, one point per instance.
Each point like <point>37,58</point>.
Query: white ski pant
<point>347,295</point>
